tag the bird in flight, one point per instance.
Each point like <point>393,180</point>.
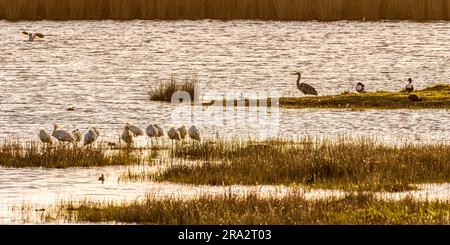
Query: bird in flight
<point>32,36</point>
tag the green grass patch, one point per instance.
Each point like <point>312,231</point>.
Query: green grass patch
<point>435,97</point>
<point>360,164</point>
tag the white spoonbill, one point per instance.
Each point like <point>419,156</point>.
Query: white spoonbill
<point>194,133</point>
<point>135,129</point>
<point>45,137</point>
<point>127,135</point>
<point>62,135</point>
<point>152,132</point>
<point>90,137</point>
<point>173,134</point>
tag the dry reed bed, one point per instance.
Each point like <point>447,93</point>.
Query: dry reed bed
<point>361,164</point>
<point>323,10</point>
<point>32,154</point>
<point>252,209</point>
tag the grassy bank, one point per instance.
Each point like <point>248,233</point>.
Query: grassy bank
<point>435,97</point>
<point>251,209</point>
<point>167,88</point>
<point>349,164</point>
<point>323,10</point>
<point>31,154</point>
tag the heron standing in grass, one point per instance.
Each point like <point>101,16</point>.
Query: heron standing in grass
<point>409,87</point>
<point>135,130</point>
<point>194,133</point>
<point>127,136</point>
<point>32,36</point>
<point>62,135</point>
<point>45,137</point>
<point>304,87</point>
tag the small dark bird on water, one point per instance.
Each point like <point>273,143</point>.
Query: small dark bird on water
<point>304,87</point>
<point>409,87</point>
<point>72,108</point>
<point>360,88</point>
<point>101,178</point>
<point>414,98</point>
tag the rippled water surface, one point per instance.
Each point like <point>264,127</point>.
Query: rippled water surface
<point>105,69</point>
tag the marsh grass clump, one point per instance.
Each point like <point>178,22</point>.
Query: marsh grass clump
<point>434,97</point>
<point>32,154</point>
<point>293,208</point>
<point>362,164</point>
<point>167,88</point>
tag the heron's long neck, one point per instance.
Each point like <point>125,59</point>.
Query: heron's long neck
<point>298,79</point>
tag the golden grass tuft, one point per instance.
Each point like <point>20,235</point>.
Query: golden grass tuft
<point>167,88</point>
<point>32,154</point>
<point>252,209</point>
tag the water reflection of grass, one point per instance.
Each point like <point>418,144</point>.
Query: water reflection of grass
<point>252,209</point>
<point>361,164</point>
<point>32,154</point>
<point>437,96</point>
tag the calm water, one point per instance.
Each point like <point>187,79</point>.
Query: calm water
<point>105,69</point>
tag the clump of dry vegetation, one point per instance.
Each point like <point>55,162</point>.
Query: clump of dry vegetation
<point>167,88</point>
<point>31,154</point>
<point>253,209</point>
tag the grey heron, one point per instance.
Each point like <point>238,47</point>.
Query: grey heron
<point>304,87</point>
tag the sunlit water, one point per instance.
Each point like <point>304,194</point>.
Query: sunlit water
<point>105,69</point>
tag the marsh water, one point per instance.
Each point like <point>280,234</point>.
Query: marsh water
<point>105,69</point>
